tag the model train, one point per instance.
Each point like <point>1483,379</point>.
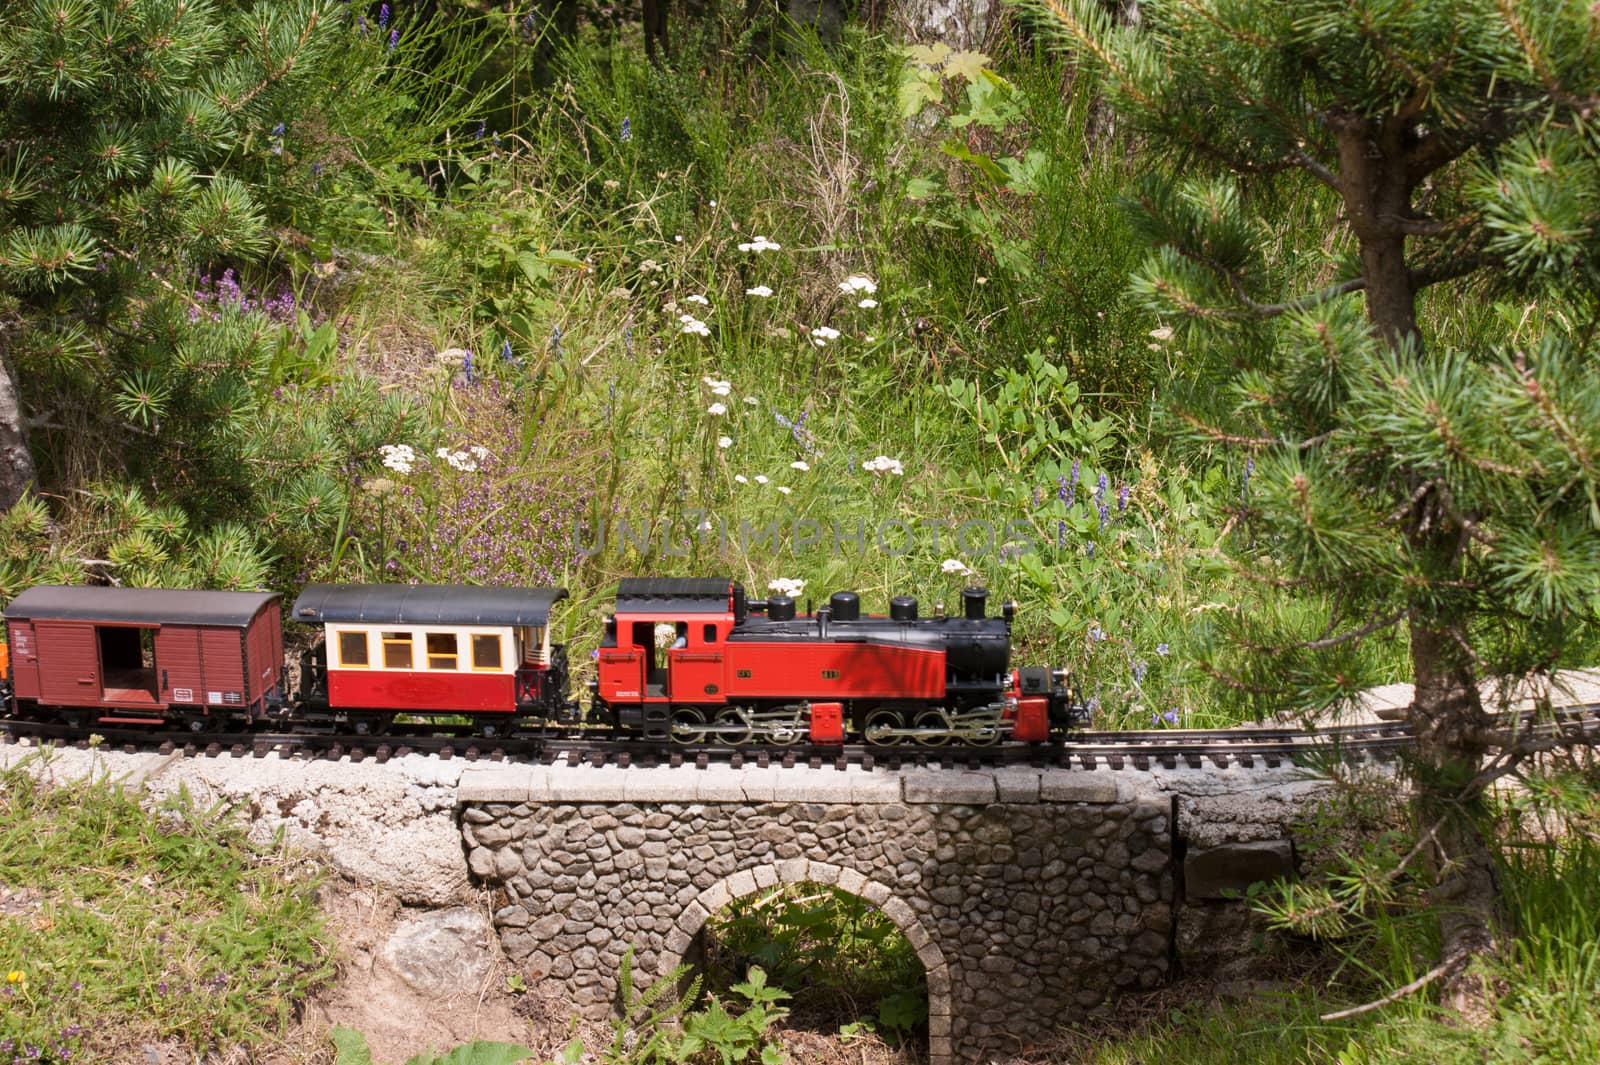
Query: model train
<point>681,660</point>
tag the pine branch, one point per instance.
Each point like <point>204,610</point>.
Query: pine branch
<point>1445,967</point>
<point>1368,629</point>
<point>1304,303</point>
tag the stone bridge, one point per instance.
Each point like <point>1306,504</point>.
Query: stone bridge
<point>1031,896</point>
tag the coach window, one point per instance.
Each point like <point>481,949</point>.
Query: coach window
<point>442,650</point>
<point>353,650</point>
<point>486,652</point>
<point>397,650</point>
<point>710,634</point>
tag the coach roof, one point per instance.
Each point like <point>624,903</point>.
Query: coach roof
<point>148,606</point>
<point>426,604</point>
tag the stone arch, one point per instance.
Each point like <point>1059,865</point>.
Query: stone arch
<point>804,871</point>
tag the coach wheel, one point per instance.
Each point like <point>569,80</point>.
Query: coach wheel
<point>688,725</point>
<point>78,720</point>
<point>489,730</point>
<point>877,725</point>
<point>933,719</point>
<point>202,723</point>
<point>372,724</point>
<point>737,727</point>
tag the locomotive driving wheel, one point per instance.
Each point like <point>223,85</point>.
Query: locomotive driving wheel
<point>878,726</point>
<point>736,730</point>
<point>933,720</point>
<point>688,725</point>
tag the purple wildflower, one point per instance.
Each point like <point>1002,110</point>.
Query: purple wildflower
<point>1171,716</point>
<point>1088,549</point>
<point>483,128</point>
<point>1163,649</point>
<point>1061,534</point>
<point>383,17</point>
<point>394,38</point>
<point>361,20</point>
<point>1249,468</point>
<point>529,24</point>
<point>627,129</point>
<point>1140,668</point>
<point>1122,499</point>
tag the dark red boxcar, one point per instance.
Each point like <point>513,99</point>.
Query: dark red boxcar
<point>143,654</point>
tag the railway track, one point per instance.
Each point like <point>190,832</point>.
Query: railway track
<point>1246,746</point>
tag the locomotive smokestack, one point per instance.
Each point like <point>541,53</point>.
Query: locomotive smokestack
<point>972,602</point>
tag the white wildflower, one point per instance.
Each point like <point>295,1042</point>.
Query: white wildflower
<point>800,465</point>
<point>717,408</point>
<point>740,478</point>
<point>825,333</point>
<point>1162,333</point>
<point>955,567</point>
<point>762,478</point>
<point>785,489</point>
<point>753,401</point>
<point>790,586</point>
<point>650,266</point>
<point>858,283</point>
<point>867,304</point>
<point>697,298</point>
<point>694,326</point>
<point>718,388</point>
<point>884,464</point>
<point>760,244</point>
<point>398,457</point>
<point>479,452</point>
<point>460,460</point>
<point>762,291</point>
<point>724,441</point>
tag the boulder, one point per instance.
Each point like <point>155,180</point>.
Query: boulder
<point>443,952</point>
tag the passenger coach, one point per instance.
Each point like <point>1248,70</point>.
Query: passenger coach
<point>433,649</point>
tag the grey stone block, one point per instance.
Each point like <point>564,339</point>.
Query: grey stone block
<point>1212,872</point>
<point>948,786</point>
<point>1062,785</point>
<point>493,783</point>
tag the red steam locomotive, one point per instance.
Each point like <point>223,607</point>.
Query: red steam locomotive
<point>681,660</point>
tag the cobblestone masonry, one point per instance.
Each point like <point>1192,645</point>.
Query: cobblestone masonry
<point>1031,896</point>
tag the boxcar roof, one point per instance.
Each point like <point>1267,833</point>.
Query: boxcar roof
<point>689,595</point>
<point>426,604</point>
<point>154,606</point>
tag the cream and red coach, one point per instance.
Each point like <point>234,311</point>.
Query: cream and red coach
<point>430,649</point>
<point>145,655</point>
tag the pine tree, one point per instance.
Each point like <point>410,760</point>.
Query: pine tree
<point>1381,255</point>
<point>127,128</point>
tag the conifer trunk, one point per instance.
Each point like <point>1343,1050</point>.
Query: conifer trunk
<point>1446,714</point>
<point>16,462</point>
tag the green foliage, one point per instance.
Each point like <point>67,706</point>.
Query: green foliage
<point>836,951</point>
<point>154,925</point>
<point>350,1048</point>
